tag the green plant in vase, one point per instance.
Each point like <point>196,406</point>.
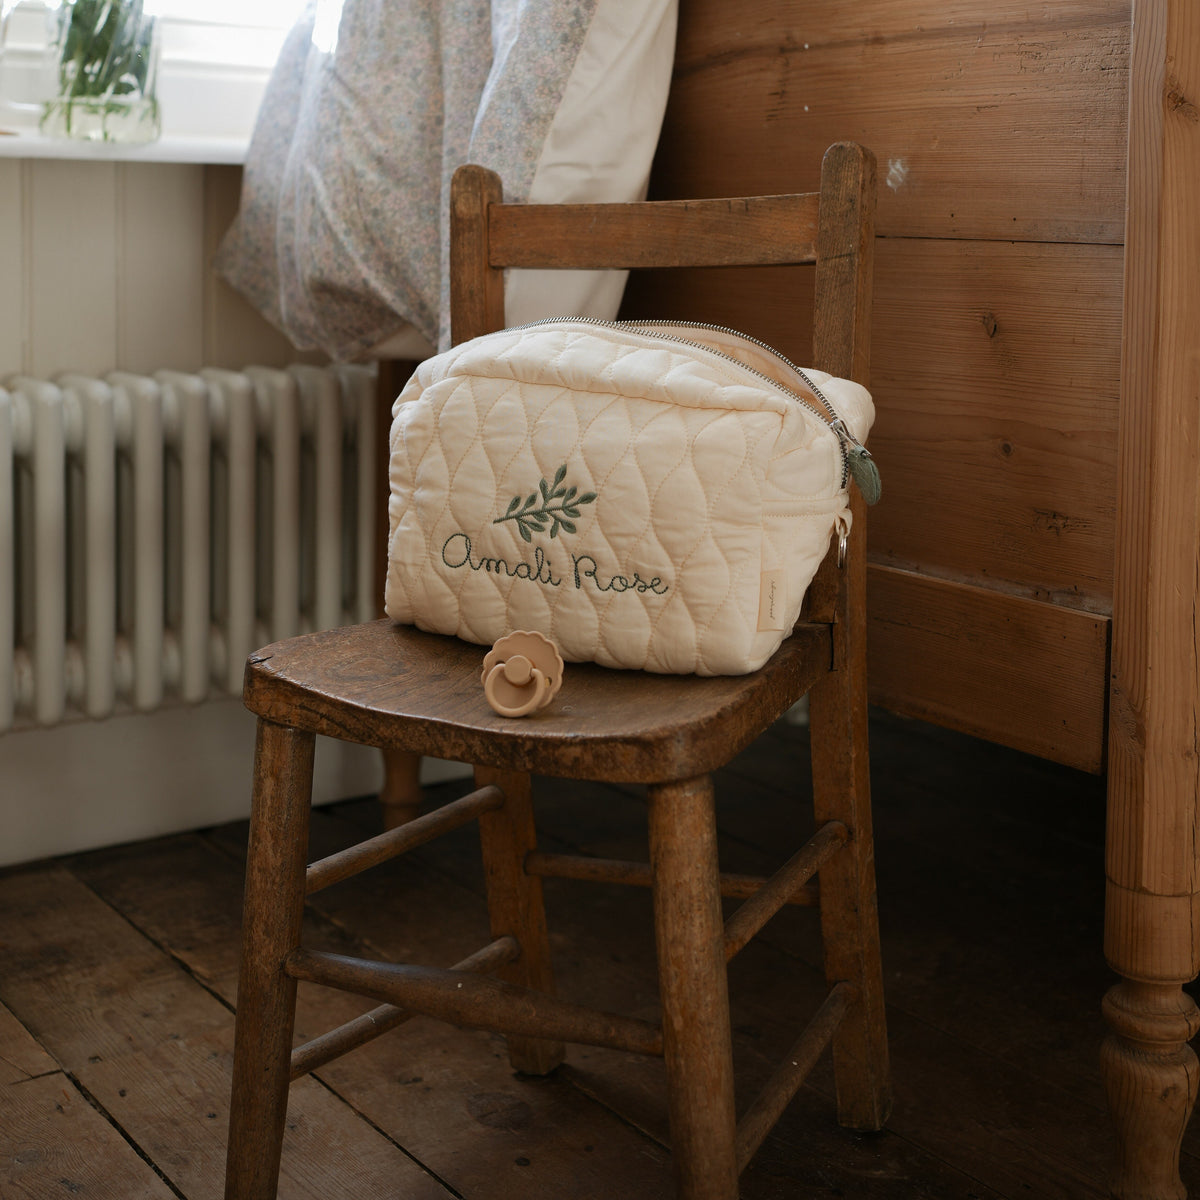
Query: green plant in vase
<point>106,74</point>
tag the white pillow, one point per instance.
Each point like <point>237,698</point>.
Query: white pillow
<point>341,237</point>
<point>600,147</point>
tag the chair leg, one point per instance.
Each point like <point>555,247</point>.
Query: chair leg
<point>849,917</point>
<point>266,1001</point>
<point>400,797</point>
<point>515,905</point>
<point>697,1044</point>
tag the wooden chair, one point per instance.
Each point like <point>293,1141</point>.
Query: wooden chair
<point>401,689</point>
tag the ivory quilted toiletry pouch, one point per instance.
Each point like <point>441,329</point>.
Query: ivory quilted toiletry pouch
<point>648,495</point>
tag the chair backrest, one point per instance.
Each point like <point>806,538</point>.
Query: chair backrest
<point>833,229</point>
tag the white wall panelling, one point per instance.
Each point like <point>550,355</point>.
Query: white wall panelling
<point>12,274</point>
<point>104,266</point>
<point>72,216</point>
<point>160,281</point>
<point>95,783</point>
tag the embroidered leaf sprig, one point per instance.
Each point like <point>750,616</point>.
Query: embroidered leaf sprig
<point>552,504</point>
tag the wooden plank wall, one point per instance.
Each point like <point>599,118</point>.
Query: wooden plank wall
<point>1000,130</point>
<point>104,265</point>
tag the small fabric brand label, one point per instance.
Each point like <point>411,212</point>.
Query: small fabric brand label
<point>772,601</point>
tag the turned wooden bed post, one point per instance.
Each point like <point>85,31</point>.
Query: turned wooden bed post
<point>1152,928</point>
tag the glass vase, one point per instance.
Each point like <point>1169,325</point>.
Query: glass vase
<point>88,68</point>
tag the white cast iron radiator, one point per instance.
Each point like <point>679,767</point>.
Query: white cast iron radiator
<point>160,529</point>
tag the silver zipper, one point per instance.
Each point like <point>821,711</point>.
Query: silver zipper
<point>847,442</point>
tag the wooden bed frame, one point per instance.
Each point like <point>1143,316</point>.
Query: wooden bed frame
<point>1033,575</point>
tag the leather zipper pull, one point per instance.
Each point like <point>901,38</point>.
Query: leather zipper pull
<point>859,462</point>
<point>864,472</point>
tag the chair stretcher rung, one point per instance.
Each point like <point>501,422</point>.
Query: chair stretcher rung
<point>387,845</point>
<point>476,1003</point>
<point>636,874</point>
<point>791,1073</point>
<point>773,894</point>
<point>320,1050</point>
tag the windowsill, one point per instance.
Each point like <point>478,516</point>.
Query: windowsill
<point>170,149</point>
<point>216,60</point>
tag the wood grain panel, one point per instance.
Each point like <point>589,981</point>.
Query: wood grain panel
<point>1020,672</point>
<point>820,22</point>
<point>72,218</point>
<point>12,274</point>
<point>773,304</point>
<point>996,374</point>
<point>995,370</point>
<point>1152,910</point>
<point>986,123</point>
<point>160,286</point>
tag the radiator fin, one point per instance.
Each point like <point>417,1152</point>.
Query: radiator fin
<point>159,529</point>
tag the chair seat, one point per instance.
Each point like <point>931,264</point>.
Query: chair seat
<point>397,687</point>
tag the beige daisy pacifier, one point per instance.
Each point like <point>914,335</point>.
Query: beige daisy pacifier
<point>522,672</point>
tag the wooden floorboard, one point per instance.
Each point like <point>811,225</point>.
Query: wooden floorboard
<point>119,981</point>
<point>54,1142</point>
<point>21,1058</point>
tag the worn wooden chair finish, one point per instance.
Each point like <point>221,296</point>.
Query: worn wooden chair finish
<point>404,690</point>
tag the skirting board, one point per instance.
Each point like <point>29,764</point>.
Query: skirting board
<point>1020,672</point>
<point>87,784</point>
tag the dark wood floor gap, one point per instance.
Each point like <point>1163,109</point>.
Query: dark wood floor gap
<point>158,944</point>
<point>217,846</point>
<point>1065,240</point>
<point>383,1133</point>
<point>947,1163</point>
<point>35,1078</point>
<point>123,1133</point>
<point>598,1096</point>
<point>331,922</point>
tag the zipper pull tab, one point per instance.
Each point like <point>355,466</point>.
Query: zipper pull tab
<point>865,473</point>
<point>861,465</point>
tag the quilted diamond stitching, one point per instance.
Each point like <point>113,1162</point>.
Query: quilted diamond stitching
<point>525,411</point>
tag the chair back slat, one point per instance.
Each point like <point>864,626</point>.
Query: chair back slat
<point>833,228</point>
<point>745,231</point>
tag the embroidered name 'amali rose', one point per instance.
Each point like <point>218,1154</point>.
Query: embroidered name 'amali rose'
<point>457,553</point>
<point>558,506</point>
